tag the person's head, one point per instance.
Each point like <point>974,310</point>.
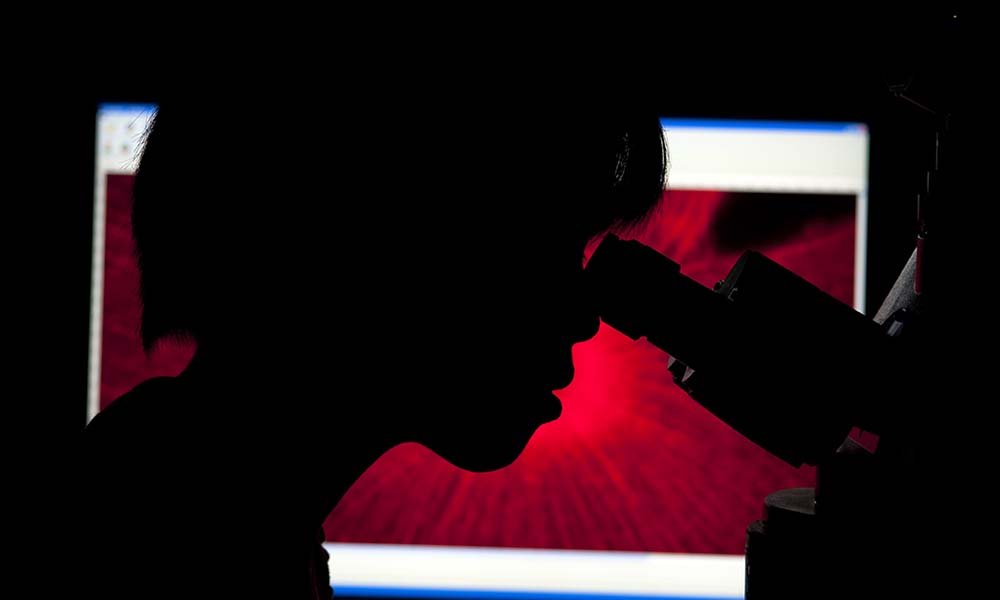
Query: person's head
<point>421,253</point>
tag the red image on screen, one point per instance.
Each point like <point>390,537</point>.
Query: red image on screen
<point>632,464</point>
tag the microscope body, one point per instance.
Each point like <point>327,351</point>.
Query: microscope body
<point>773,356</point>
<point>794,370</point>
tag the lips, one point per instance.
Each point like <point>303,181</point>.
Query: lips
<point>550,407</point>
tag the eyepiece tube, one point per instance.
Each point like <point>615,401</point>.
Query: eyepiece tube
<point>642,293</point>
<point>765,351</point>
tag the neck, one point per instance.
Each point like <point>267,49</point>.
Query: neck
<point>292,422</point>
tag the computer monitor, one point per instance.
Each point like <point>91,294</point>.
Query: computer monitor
<point>636,491</point>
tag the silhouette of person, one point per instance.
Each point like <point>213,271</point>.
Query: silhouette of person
<point>358,270</point>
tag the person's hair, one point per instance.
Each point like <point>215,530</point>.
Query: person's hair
<point>219,182</point>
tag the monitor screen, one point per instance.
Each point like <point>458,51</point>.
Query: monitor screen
<point>636,491</point>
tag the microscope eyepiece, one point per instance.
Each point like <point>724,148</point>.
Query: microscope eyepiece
<point>764,351</point>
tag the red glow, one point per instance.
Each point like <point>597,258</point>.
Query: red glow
<point>633,464</point>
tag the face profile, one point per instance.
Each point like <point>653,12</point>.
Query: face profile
<point>444,259</point>
<point>407,268</point>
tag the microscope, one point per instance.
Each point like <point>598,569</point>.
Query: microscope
<point>813,382</point>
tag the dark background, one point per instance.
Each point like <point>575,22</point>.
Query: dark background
<point>793,73</point>
<point>813,66</point>
<point>801,67</point>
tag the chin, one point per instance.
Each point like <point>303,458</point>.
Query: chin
<point>493,444</point>
<point>485,460</point>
